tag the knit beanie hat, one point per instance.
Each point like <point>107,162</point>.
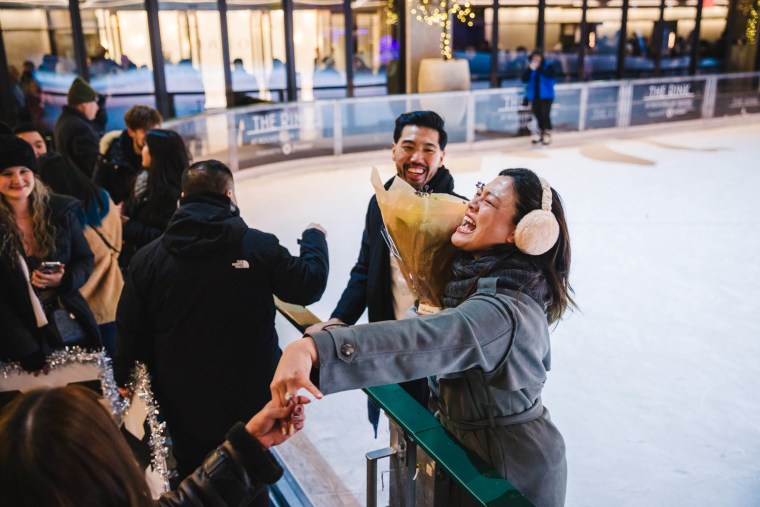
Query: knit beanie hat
<point>80,92</point>
<point>14,151</point>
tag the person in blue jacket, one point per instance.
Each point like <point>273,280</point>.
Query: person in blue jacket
<point>539,91</point>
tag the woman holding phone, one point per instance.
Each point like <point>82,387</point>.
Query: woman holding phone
<point>44,260</point>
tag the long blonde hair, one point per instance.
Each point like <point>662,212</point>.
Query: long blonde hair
<point>43,229</point>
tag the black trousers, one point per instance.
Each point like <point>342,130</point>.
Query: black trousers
<point>541,110</point>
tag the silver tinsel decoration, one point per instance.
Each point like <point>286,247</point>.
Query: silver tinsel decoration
<point>140,385</point>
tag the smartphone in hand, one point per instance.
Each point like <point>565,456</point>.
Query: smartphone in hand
<point>50,267</point>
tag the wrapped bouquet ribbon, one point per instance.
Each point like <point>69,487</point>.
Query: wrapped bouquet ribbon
<point>418,229</point>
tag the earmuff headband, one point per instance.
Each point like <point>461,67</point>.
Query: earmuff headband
<point>538,231</point>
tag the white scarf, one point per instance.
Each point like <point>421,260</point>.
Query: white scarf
<point>39,313</point>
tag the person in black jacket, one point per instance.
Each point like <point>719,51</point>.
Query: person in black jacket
<point>118,168</point>
<point>76,135</point>
<point>146,216</point>
<point>35,227</point>
<point>376,283</point>
<point>61,447</point>
<point>197,308</point>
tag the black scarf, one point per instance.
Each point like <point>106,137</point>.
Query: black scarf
<point>513,270</point>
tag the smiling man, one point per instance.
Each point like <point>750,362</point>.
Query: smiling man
<point>376,284</point>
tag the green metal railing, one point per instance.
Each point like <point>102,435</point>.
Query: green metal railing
<point>423,446</point>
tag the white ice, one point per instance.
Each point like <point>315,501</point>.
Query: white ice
<point>655,381</point>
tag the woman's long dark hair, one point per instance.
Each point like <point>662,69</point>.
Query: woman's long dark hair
<point>554,264</point>
<point>61,447</point>
<point>169,158</point>
<point>63,177</point>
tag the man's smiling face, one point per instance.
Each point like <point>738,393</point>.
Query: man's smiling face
<point>417,155</point>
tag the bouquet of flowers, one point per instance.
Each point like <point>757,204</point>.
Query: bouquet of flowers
<point>418,229</point>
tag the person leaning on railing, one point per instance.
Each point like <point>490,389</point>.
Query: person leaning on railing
<point>489,349</point>
<point>61,447</point>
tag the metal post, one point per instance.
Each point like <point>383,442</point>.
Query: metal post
<point>77,35</point>
<point>584,43</point>
<point>402,56</point>
<point>348,38</point>
<point>583,111</point>
<point>6,106</point>
<point>622,39</point>
<point>494,71</point>
<point>290,54</point>
<point>372,458</point>
<point>226,72</point>
<point>694,60</point>
<point>163,103</point>
<point>658,52</point>
<point>540,29</point>
<point>337,128</point>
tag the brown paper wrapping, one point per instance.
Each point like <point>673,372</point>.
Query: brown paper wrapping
<point>419,230</point>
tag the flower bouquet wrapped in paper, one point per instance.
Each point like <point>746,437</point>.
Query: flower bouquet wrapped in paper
<point>419,226</point>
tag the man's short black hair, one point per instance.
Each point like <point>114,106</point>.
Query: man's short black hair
<point>207,176</point>
<point>428,119</point>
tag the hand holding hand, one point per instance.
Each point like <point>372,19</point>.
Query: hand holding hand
<point>263,426</point>
<point>293,372</point>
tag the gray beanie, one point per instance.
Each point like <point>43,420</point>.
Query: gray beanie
<point>16,152</point>
<point>80,92</point>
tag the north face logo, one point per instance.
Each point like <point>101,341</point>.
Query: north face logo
<point>241,264</point>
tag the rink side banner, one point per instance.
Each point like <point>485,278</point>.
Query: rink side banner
<point>667,102</point>
<point>266,136</point>
<point>737,96</point>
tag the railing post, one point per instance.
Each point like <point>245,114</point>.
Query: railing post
<point>470,119</point>
<point>232,137</point>
<point>372,458</point>
<point>583,113</point>
<point>337,128</point>
<point>708,101</point>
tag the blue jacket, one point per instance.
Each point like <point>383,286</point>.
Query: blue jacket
<point>545,76</point>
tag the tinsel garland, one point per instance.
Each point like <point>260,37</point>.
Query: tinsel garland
<point>139,384</point>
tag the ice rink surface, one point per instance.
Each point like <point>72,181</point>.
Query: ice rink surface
<point>656,379</point>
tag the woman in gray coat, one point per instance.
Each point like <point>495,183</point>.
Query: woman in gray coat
<point>488,351</point>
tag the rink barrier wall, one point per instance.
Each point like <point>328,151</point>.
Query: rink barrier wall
<point>429,467</point>
<point>254,136</point>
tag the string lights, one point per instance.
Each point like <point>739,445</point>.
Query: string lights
<point>440,13</point>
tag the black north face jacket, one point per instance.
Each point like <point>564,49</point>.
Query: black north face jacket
<point>197,307</point>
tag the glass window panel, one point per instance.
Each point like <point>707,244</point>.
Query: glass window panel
<point>643,40</point>
<point>257,51</point>
<point>376,48</point>
<point>192,44</point>
<point>118,55</point>
<point>41,36</point>
<point>603,35</point>
<point>319,43</point>
<point>517,37</point>
<point>473,43</point>
<point>563,38</point>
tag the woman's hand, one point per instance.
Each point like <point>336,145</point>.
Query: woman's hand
<point>293,371</point>
<point>47,280</point>
<point>263,426</point>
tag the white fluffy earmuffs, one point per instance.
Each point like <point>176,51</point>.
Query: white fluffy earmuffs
<point>538,231</point>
